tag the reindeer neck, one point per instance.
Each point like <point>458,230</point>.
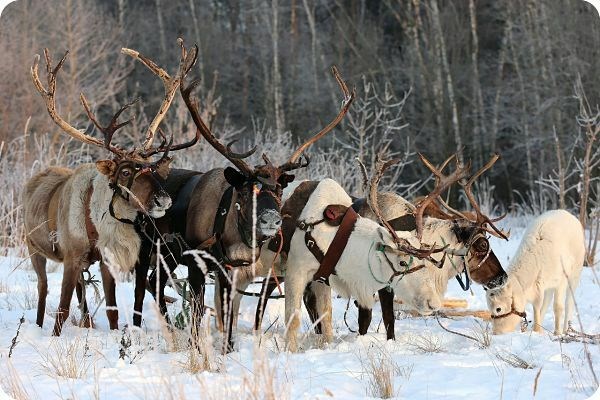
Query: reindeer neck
<point>118,242</point>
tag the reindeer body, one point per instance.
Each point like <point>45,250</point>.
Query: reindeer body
<point>54,204</point>
<point>547,264</point>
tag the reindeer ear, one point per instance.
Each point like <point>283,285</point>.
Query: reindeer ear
<point>285,179</point>
<point>334,213</point>
<point>106,167</point>
<point>162,167</point>
<point>234,177</point>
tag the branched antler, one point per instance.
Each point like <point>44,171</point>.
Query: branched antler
<point>403,245</point>
<point>442,183</point>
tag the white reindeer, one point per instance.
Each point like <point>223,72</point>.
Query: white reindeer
<point>548,263</point>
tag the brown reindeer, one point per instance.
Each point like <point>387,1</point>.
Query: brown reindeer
<point>88,214</point>
<point>214,211</point>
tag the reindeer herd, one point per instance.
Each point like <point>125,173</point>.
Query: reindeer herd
<point>243,222</point>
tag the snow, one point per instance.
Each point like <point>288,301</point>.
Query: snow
<point>428,362</point>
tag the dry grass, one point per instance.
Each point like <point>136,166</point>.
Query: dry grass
<point>66,358</point>
<point>482,332</point>
<point>513,359</point>
<point>200,353</point>
<point>381,371</point>
<point>12,384</point>
<point>425,343</point>
<point>263,382</point>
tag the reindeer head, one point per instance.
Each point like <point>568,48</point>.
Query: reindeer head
<point>131,174</point>
<point>505,308</point>
<point>265,182</point>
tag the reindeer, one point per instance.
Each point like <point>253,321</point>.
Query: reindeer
<point>547,266</point>
<point>215,211</point>
<point>464,233</point>
<point>89,214</point>
<point>467,245</point>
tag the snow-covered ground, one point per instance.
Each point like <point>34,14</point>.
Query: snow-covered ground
<point>425,361</point>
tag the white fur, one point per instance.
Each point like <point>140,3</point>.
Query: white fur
<point>118,239</point>
<point>548,263</point>
<point>359,272</point>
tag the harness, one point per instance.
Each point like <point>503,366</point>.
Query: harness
<point>328,260</point>
<point>406,265</point>
<point>217,250</point>
<point>522,314</point>
<point>118,191</point>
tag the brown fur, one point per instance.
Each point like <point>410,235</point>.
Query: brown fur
<point>54,203</point>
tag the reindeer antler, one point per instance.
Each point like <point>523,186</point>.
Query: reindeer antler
<point>442,183</point>
<point>403,245</point>
<point>483,219</point>
<point>364,175</point>
<point>187,61</point>
<point>294,162</point>
<point>49,96</point>
<point>192,105</point>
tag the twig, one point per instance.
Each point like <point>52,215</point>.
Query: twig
<point>479,342</point>
<point>14,340</point>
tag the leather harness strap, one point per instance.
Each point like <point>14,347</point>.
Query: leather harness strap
<point>521,314</point>
<point>336,248</point>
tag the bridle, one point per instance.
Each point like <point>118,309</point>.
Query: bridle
<point>522,314</point>
<point>140,169</point>
<point>258,188</point>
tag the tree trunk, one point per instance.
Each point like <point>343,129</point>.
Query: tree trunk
<point>477,93</point>
<point>441,46</point>
<point>277,89</point>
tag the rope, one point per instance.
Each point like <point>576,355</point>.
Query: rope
<point>387,283</point>
<point>271,271</point>
<point>346,322</point>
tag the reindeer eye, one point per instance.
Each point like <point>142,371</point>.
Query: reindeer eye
<point>126,173</point>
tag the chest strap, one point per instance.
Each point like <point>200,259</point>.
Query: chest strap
<point>328,260</point>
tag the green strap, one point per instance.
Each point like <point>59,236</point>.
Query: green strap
<point>381,248</point>
<point>450,257</point>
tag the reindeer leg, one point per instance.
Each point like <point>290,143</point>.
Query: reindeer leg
<point>108,283</point>
<point>196,280</point>
<point>39,266</point>
<point>310,302</point>
<point>86,318</point>
<point>386,299</point>
<point>163,278</point>
<point>227,314</point>
<point>141,275</point>
<point>72,268</point>
<point>267,289</point>
<point>364,319</point>
<point>323,304</point>
<point>141,272</point>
